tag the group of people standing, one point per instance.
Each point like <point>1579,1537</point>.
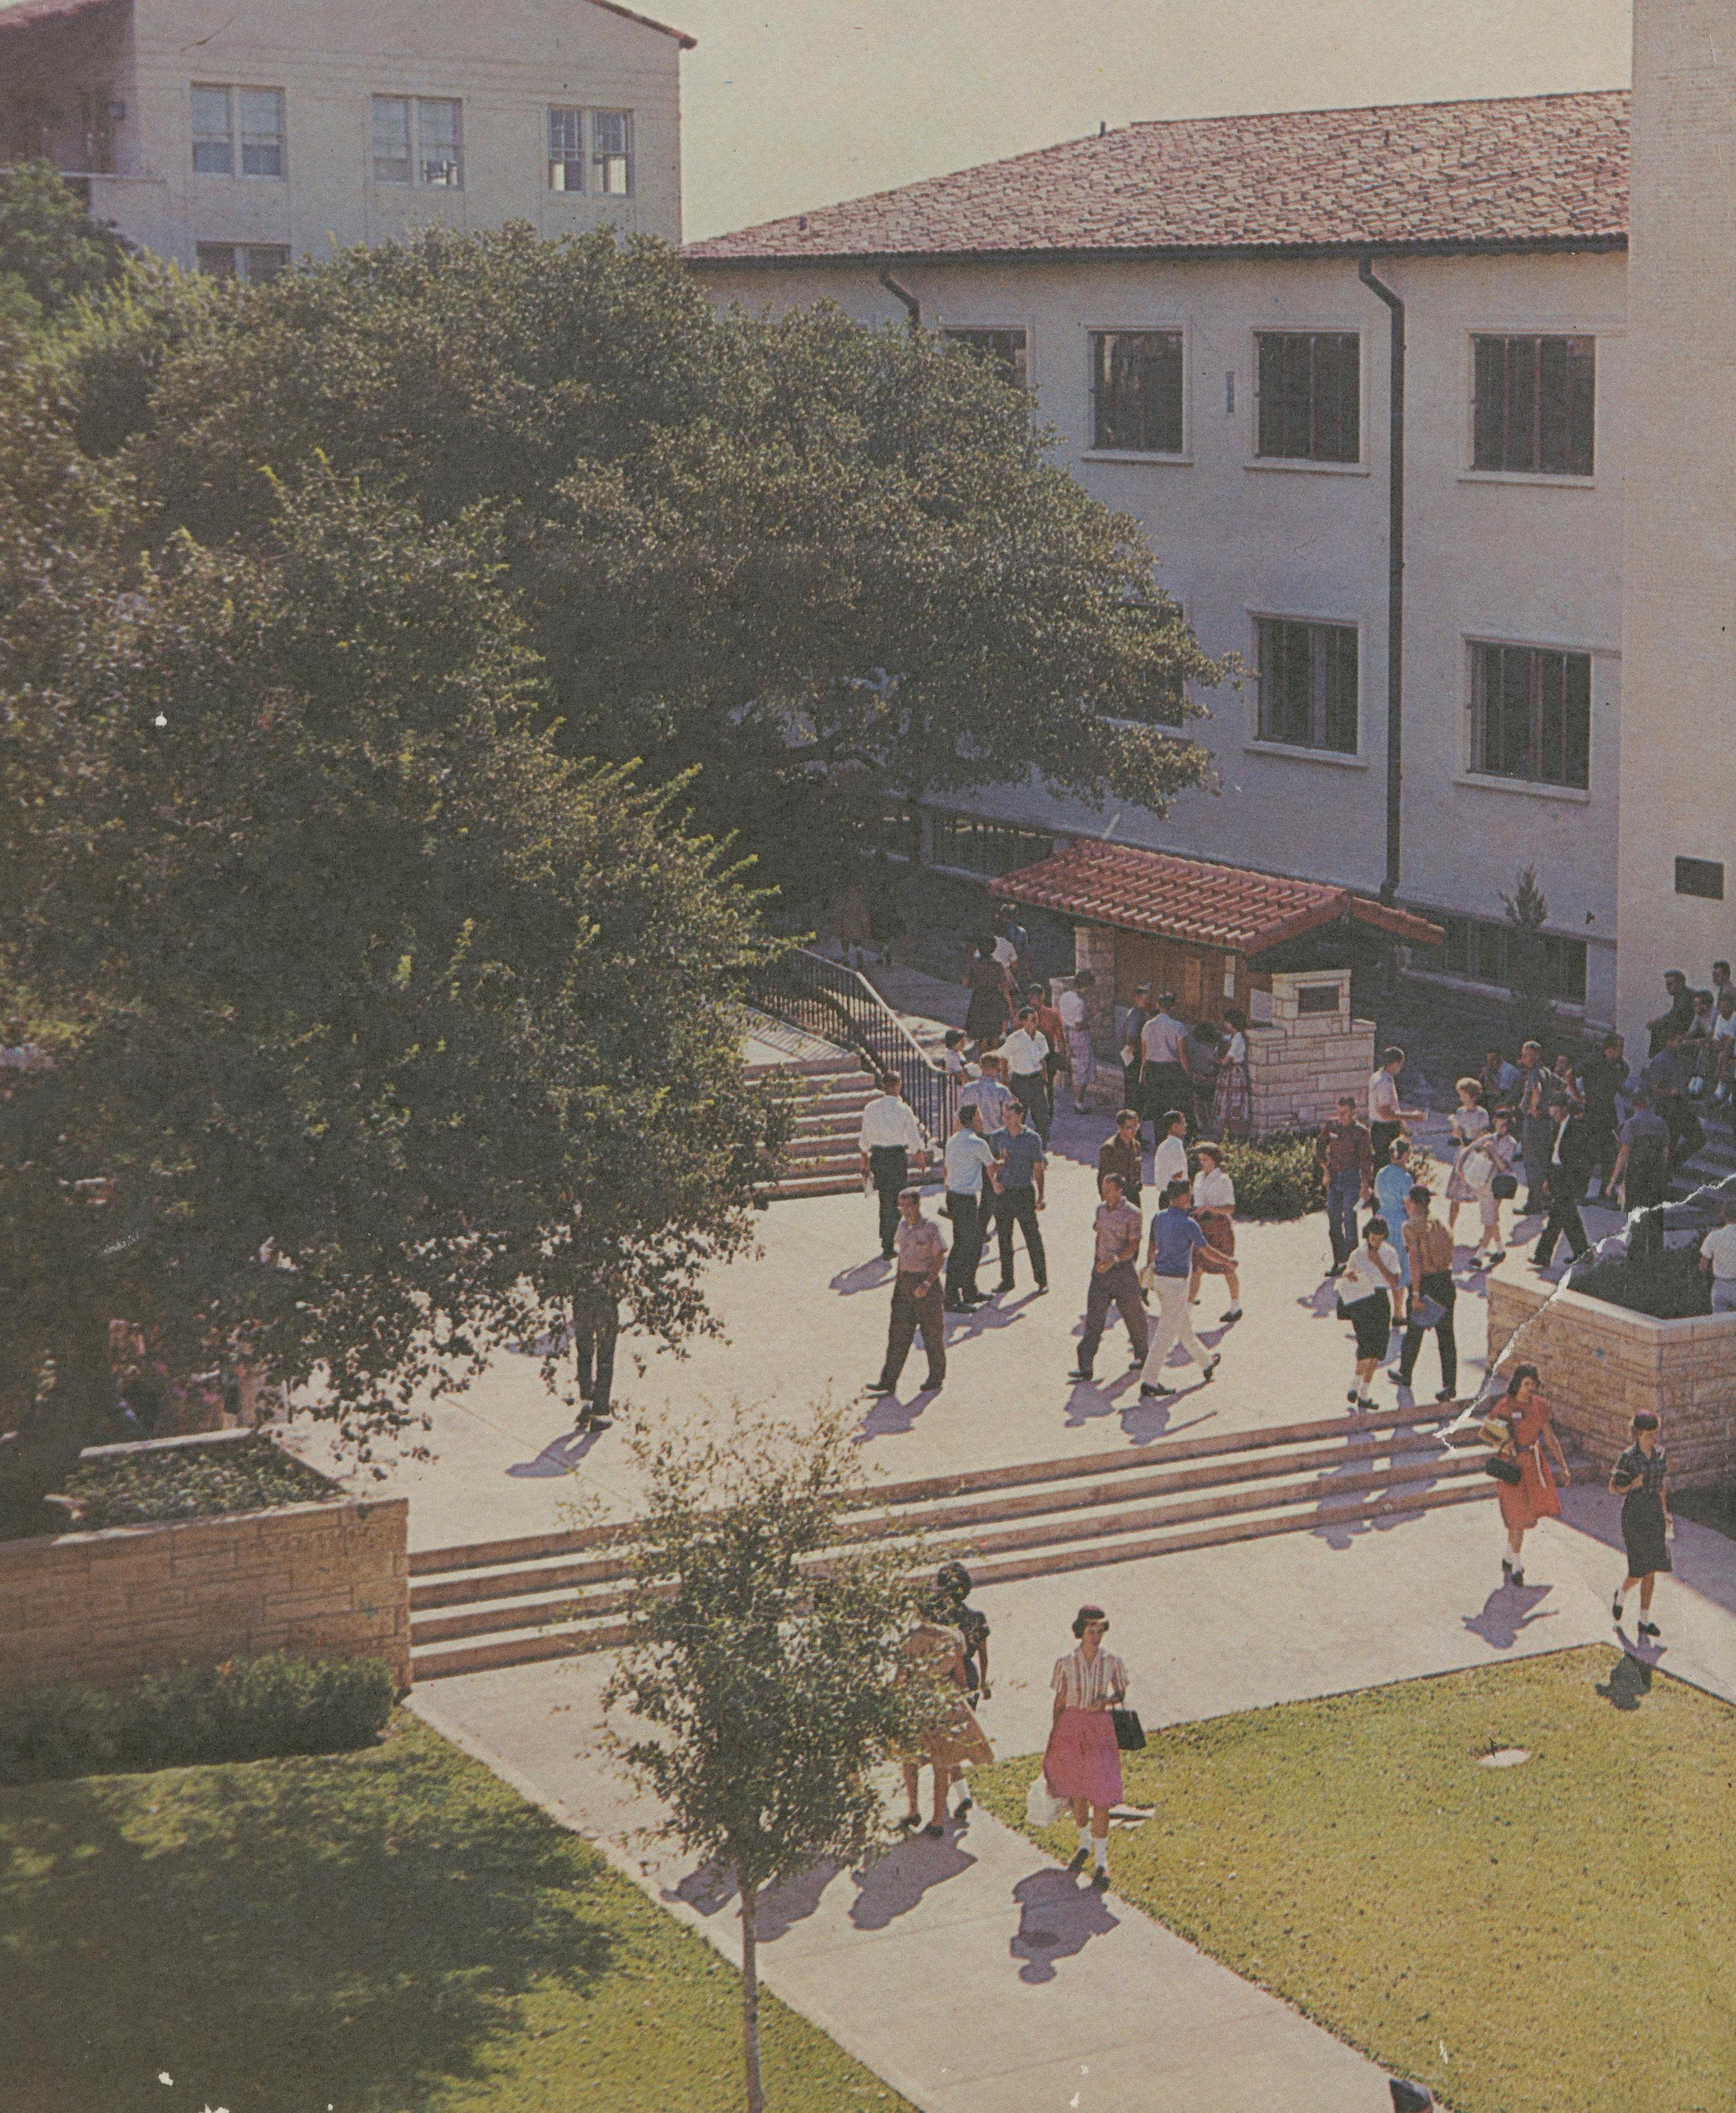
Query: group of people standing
<point>1200,1069</point>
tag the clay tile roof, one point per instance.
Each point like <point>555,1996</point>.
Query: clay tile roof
<point>1517,171</point>
<point>1194,900</point>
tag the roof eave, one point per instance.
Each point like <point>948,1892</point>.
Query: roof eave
<point>1175,253</point>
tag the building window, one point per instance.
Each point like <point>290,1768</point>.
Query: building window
<point>1307,674</point>
<point>1701,877</point>
<point>990,848</point>
<point>254,263</point>
<point>1004,350</point>
<point>1310,391</point>
<point>218,150</point>
<point>566,150</point>
<point>433,154</point>
<point>1531,711</point>
<point>611,152</point>
<point>1535,400</point>
<point>1480,950</point>
<point>1136,391</point>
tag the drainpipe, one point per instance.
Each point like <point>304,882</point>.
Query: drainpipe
<point>913,306</point>
<point>1395,578</point>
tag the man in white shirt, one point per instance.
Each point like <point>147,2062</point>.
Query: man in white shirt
<point>1724,1044</point>
<point>1165,1081</point>
<point>1718,1259</point>
<point>969,1156</point>
<point>1169,1163</point>
<point>1081,1055</point>
<point>1387,1118</point>
<point>1022,1052</point>
<point>890,1146</point>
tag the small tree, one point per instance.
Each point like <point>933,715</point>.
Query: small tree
<point>1528,912</point>
<point>767,1662</point>
<point>51,250</point>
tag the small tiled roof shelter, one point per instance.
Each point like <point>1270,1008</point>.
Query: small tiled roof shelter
<point>1212,933</point>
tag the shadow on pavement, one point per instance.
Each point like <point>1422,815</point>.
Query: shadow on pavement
<point>873,1275</point>
<point>1058,1916</point>
<point>560,1456</point>
<point>890,1417</point>
<point>1508,1610</point>
<point>894,1883</point>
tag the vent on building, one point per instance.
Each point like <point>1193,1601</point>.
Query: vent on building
<point>1702,877</point>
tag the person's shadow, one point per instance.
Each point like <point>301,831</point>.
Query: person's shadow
<point>560,1456</point>
<point>870,1275</point>
<point>1058,1916</point>
<point>1509,1609</point>
<point>1630,1679</point>
<point>1322,1301</point>
<point>893,1883</point>
<point>890,1417</point>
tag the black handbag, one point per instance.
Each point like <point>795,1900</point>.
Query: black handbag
<point>1130,1734</point>
<point>1503,1469</point>
<point>1504,1187</point>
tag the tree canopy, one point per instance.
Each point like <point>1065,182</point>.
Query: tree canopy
<point>51,250</point>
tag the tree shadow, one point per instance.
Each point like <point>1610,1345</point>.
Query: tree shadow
<point>1057,1919</point>
<point>1508,1611</point>
<point>281,1934</point>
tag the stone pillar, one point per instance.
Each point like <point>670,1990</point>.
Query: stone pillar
<point>1094,948</point>
<point>1301,1057</point>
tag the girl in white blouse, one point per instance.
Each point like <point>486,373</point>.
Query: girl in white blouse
<point>1366,1291</point>
<point>1215,1207</point>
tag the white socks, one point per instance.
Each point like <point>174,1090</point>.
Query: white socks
<point>1101,1853</point>
<point>1085,1837</point>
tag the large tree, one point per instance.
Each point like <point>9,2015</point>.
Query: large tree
<point>819,561</point>
<point>51,250</point>
<point>379,1021</point>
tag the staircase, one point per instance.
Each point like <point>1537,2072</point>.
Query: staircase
<point>825,1096</point>
<point>1716,1160</point>
<point>505,1603</point>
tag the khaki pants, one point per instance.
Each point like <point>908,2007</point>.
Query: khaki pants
<point>1173,1326</point>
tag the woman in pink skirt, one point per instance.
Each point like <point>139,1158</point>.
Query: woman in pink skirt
<point>1082,1762</point>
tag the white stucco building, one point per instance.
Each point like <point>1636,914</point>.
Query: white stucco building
<point>245,139</point>
<point>1189,304</point>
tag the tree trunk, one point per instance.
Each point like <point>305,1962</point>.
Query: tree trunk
<point>756,2096</point>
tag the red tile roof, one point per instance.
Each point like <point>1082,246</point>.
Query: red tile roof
<point>1516,171</point>
<point>1194,900</point>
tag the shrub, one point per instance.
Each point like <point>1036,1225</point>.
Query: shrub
<point>1275,1177</point>
<point>1668,1286</point>
<point>245,1709</point>
<point>193,1482</point>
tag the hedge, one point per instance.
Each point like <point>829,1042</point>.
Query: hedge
<point>245,1709</point>
<point>1668,1285</point>
<point>191,1482</point>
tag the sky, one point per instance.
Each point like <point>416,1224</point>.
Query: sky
<point>792,104</point>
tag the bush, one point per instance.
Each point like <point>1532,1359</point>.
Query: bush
<point>192,1481</point>
<point>245,1709</point>
<point>1275,1177</point>
<point>1668,1286</point>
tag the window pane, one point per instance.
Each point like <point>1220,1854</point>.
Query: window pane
<point>262,131</point>
<point>565,151</point>
<point>1270,440</point>
<point>391,140</point>
<point>1551,672</point>
<point>1340,716</point>
<point>213,153</point>
<point>1576,717</point>
<point>1002,350</point>
<point>262,262</point>
<point>1490,392</point>
<point>1582,394</point>
<point>437,132</point>
<point>611,151</point>
<point>218,259</point>
<point>1298,425</point>
<point>1138,392</point>
<point>1310,395</point>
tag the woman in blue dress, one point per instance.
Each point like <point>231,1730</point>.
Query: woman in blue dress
<point>1392,1185</point>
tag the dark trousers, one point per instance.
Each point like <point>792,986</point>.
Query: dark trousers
<point>1600,1128</point>
<point>890,1164</point>
<point>1381,1135</point>
<point>1343,1190</point>
<point>1018,1207</point>
<point>1117,1287</point>
<point>908,1314</point>
<point>1644,1192</point>
<point>1563,1221</point>
<point>966,1252</point>
<point>1537,1140</point>
<point>1165,1087</point>
<point>1031,1090</point>
<point>1438,1285</point>
<point>593,1351</point>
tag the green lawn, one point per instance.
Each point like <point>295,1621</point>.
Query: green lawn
<point>1558,1937</point>
<point>376,1933</point>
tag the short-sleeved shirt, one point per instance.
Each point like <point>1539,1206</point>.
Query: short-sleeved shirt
<point>1361,1279</point>
<point>921,1247</point>
<point>1079,1681</point>
<point>1724,1027</point>
<point>1161,1039</point>
<point>968,1155</point>
<point>1645,1470</point>
<point>1168,1163</point>
<point>1024,1053</point>
<point>1214,1191</point>
<point>1646,1136</point>
<point>1383,1101</point>
<point>1174,1237</point>
<point>1719,1248</point>
<point>1071,1007</point>
<point>992,1097</point>
<point>1116,1225</point>
<point>1024,1154</point>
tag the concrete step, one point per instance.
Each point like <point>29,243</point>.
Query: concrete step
<point>846,1065</point>
<point>793,1187</point>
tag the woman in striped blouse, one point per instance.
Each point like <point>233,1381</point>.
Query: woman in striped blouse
<point>1082,1762</point>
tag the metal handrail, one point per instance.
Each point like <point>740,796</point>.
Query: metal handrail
<point>840,1005</point>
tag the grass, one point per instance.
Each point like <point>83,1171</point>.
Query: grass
<point>392,1932</point>
<point>1558,1937</point>
<point>193,1482</point>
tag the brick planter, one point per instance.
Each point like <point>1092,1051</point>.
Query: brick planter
<point>1600,1365</point>
<point>325,1580</point>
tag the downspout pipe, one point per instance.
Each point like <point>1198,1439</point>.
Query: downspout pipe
<point>913,306</point>
<point>1395,578</point>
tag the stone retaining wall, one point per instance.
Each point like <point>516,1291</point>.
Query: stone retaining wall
<point>326,1580</point>
<point>1600,1365</point>
<point>1300,1062</point>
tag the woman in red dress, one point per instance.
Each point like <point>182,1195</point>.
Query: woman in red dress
<point>1523,1427</point>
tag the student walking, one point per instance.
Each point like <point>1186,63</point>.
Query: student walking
<point>952,1740</point>
<point>1081,1055</point>
<point>969,1159</point>
<point>1520,1429</point>
<point>1025,1053</point>
<point>1053,1031</point>
<point>1122,1156</point>
<point>953,1582</point>
<point>1114,1281</point>
<point>1082,1762</point>
<point>596,1323</point>
<point>1429,1248</point>
<point>1020,1166</point>
<point>1233,1101</point>
<point>916,1298</point>
<point>1392,1185</point>
<point>1215,1209</point>
<point>989,1094</point>
<point>1646,1523</point>
<point>890,1146</point>
<point>1536,1132</point>
<point>1175,1239</point>
<point>1489,1169</point>
<point>1602,1078</point>
<point>990,1008</point>
<point>1387,1115</point>
<point>1166,1081</point>
<point>1468,1121</point>
<point>1133,1060</point>
<point>1564,1171</point>
<point>1368,1291</point>
<point>1344,1153</point>
<point>1169,1161</point>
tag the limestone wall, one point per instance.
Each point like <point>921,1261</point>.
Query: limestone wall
<point>1600,1365</point>
<point>1299,1062</point>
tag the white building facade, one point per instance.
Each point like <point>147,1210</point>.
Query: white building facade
<point>243,140</point>
<point>1188,304</point>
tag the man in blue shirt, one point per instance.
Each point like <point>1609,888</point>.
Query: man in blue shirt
<point>1019,1168</point>
<point>969,1156</point>
<point>1170,1257</point>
